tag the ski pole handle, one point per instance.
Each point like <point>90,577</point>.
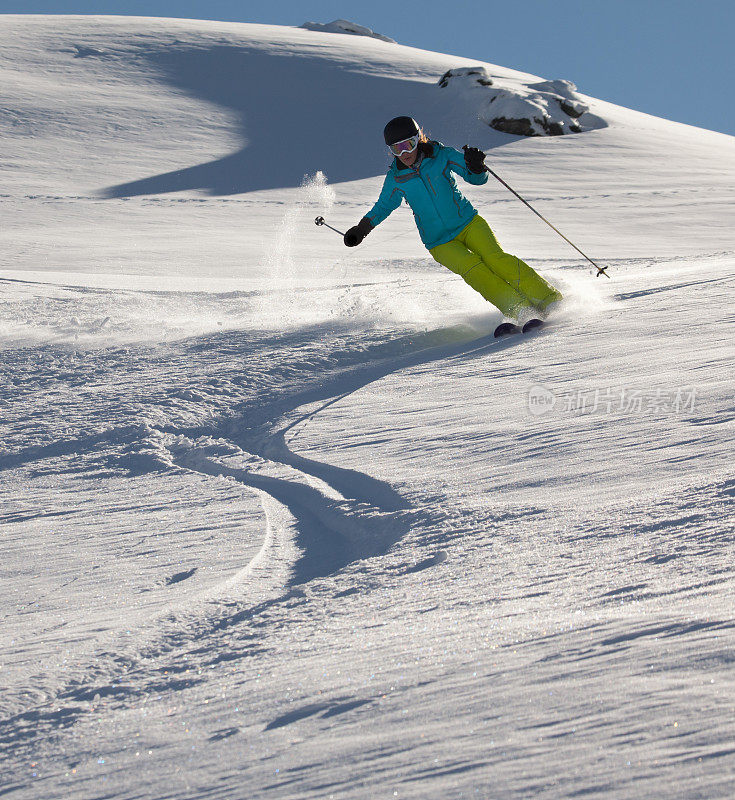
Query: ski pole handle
<point>320,221</point>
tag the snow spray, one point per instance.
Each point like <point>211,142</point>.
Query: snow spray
<point>285,262</point>
<point>314,196</point>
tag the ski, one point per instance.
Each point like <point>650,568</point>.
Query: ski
<point>505,329</point>
<point>508,328</point>
<point>532,325</point>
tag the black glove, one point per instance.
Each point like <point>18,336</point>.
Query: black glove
<point>475,159</point>
<point>355,235</point>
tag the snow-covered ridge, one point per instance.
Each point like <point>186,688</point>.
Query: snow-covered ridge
<point>212,101</point>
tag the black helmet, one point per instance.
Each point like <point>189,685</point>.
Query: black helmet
<point>399,129</point>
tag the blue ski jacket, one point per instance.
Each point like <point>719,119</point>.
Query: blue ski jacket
<point>441,211</point>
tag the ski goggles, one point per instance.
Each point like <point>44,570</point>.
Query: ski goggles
<point>405,146</point>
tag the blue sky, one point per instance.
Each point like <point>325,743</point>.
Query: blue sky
<point>670,58</point>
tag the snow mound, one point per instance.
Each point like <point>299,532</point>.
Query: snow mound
<point>345,26</point>
<point>544,108</point>
<point>473,75</point>
<point>87,52</point>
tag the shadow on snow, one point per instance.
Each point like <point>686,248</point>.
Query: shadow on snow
<point>296,115</point>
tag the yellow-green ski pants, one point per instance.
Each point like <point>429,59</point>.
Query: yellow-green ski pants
<point>502,279</point>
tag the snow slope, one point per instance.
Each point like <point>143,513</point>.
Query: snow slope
<point>282,520</point>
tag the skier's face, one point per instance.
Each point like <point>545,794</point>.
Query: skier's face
<point>407,150</point>
<point>409,158</point>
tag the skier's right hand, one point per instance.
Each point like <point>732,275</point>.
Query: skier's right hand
<point>356,234</point>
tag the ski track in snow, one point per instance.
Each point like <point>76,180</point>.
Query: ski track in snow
<point>318,517</point>
<point>322,517</point>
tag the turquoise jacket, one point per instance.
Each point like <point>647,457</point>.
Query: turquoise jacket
<point>441,211</point>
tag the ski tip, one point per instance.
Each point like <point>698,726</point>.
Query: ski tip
<point>532,325</point>
<point>505,329</point>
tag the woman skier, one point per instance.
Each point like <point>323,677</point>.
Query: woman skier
<point>449,225</point>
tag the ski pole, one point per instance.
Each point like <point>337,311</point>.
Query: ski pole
<point>600,270</point>
<point>320,221</point>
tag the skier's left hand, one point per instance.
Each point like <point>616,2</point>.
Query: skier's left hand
<point>475,159</point>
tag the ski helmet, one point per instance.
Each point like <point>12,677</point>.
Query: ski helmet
<point>399,129</point>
